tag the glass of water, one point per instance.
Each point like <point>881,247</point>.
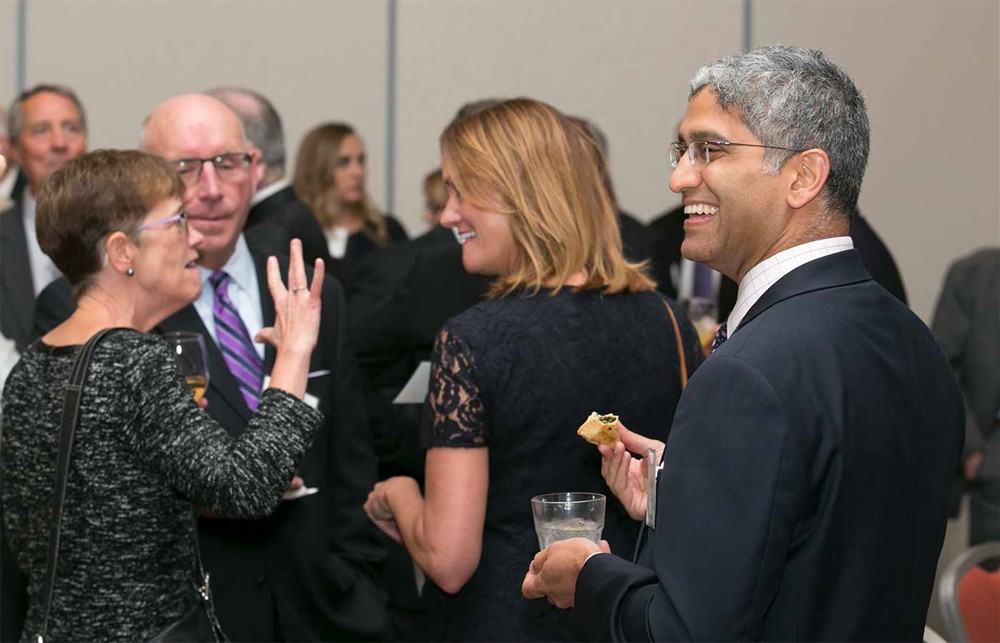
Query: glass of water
<point>573,514</point>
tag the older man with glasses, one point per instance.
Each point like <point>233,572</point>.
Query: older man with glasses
<point>803,493</point>
<point>309,572</point>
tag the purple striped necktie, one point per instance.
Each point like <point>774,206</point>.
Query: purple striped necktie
<point>234,341</point>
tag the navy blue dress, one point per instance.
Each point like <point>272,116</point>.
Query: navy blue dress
<point>518,375</point>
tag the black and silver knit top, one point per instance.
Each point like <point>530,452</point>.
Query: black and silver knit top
<point>143,452</point>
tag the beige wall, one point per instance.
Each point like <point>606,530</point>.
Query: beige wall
<point>930,71</point>
<point>931,75</point>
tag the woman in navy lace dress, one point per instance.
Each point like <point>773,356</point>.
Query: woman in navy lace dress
<point>571,327</point>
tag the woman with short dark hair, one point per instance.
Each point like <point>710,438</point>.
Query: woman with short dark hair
<point>143,450</point>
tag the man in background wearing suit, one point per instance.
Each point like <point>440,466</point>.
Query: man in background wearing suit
<point>309,571</point>
<point>967,323</point>
<point>275,202</point>
<point>805,485</point>
<point>47,128</point>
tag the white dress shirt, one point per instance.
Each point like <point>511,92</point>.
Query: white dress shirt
<point>270,190</point>
<point>244,292</point>
<point>765,274</point>
<point>43,271</point>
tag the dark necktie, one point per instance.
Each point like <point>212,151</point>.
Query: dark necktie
<point>234,341</point>
<point>720,337</point>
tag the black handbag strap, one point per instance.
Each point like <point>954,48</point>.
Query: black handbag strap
<point>70,418</point>
<point>70,415</point>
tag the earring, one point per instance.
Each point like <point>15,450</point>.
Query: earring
<point>130,272</point>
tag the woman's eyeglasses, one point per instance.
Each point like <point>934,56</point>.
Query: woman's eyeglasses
<point>179,217</point>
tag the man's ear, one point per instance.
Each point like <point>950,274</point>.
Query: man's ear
<point>120,251</point>
<point>810,174</point>
<point>257,166</point>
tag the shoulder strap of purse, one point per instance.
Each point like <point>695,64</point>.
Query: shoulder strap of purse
<point>70,415</point>
<point>680,345</point>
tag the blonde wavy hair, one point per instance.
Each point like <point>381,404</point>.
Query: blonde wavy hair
<point>313,181</point>
<point>525,159</point>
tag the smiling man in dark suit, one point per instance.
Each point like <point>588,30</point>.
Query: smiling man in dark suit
<point>805,486</point>
<point>309,571</point>
<point>47,128</point>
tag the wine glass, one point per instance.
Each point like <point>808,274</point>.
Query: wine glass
<point>189,349</point>
<point>703,313</point>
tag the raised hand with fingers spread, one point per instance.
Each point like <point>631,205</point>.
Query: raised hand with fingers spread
<point>296,320</point>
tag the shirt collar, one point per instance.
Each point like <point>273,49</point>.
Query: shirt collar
<point>270,190</point>
<point>765,274</point>
<point>240,268</point>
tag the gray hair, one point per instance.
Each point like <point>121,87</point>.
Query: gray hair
<point>796,99</point>
<point>262,126</point>
<point>15,119</point>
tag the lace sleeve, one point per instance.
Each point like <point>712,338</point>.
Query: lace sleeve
<point>455,415</point>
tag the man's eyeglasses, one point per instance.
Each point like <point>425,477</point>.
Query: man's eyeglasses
<point>181,217</point>
<point>227,167</point>
<point>701,153</point>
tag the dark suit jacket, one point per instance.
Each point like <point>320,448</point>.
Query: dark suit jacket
<point>806,479</point>
<point>286,210</point>
<point>402,297</point>
<point>668,231</point>
<point>16,303</point>
<point>16,284</point>
<point>637,240</point>
<point>310,571</point>
<point>967,323</point>
<point>380,272</point>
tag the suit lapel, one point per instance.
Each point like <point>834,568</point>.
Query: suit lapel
<point>266,303</point>
<point>220,379</point>
<point>15,273</point>
<point>839,269</point>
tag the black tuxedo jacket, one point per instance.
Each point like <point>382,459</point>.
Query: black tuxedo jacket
<point>310,571</point>
<point>285,210</point>
<point>806,479</point>
<point>668,231</point>
<point>16,284</point>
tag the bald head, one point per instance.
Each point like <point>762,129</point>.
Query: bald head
<point>196,128</point>
<point>190,116</point>
<point>262,126</point>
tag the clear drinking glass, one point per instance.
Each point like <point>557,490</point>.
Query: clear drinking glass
<point>189,349</point>
<point>573,514</point>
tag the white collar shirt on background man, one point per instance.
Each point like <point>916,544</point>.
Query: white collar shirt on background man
<point>244,292</point>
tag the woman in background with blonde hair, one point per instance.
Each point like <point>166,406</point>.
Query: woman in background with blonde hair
<point>570,327</point>
<point>330,176</point>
